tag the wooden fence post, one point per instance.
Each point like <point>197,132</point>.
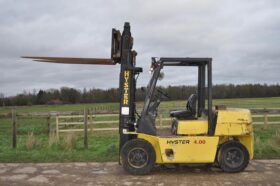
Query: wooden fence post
<point>86,128</point>
<point>57,128</point>
<point>14,128</point>
<point>49,123</point>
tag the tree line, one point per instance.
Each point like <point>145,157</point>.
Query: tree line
<point>66,95</point>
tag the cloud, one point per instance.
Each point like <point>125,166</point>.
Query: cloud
<point>241,36</point>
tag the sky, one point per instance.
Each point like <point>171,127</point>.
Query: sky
<point>242,37</point>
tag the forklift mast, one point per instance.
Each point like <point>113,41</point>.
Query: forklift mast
<point>123,54</point>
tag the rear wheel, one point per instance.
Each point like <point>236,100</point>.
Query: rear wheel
<point>233,157</point>
<point>138,157</point>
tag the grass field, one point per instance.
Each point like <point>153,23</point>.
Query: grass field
<point>273,102</point>
<point>103,146</point>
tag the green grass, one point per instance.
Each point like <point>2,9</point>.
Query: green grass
<point>255,103</point>
<point>59,108</point>
<point>102,147</point>
<point>267,141</point>
<point>273,102</point>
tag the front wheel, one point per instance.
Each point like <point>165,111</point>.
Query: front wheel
<point>233,157</point>
<point>138,157</point>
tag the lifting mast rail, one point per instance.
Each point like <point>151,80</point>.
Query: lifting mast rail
<point>127,86</point>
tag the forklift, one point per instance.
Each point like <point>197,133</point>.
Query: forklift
<point>199,134</point>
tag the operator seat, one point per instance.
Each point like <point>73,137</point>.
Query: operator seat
<point>190,111</point>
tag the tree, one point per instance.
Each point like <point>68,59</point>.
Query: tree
<point>2,99</point>
<point>41,98</point>
<point>70,95</point>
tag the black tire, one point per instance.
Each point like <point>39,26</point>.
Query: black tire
<point>233,157</point>
<point>138,157</point>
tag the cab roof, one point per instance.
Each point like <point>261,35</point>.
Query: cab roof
<point>187,61</point>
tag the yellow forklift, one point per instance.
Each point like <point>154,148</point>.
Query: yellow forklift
<point>199,133</point>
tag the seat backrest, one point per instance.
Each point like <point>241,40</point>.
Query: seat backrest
<point>191,103</point>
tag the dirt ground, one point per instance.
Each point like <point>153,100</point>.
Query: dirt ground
<point>259,172</point>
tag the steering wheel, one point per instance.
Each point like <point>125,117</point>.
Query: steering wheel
<point>163,93</point>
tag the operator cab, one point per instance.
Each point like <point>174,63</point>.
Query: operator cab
<point>195,119</point>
